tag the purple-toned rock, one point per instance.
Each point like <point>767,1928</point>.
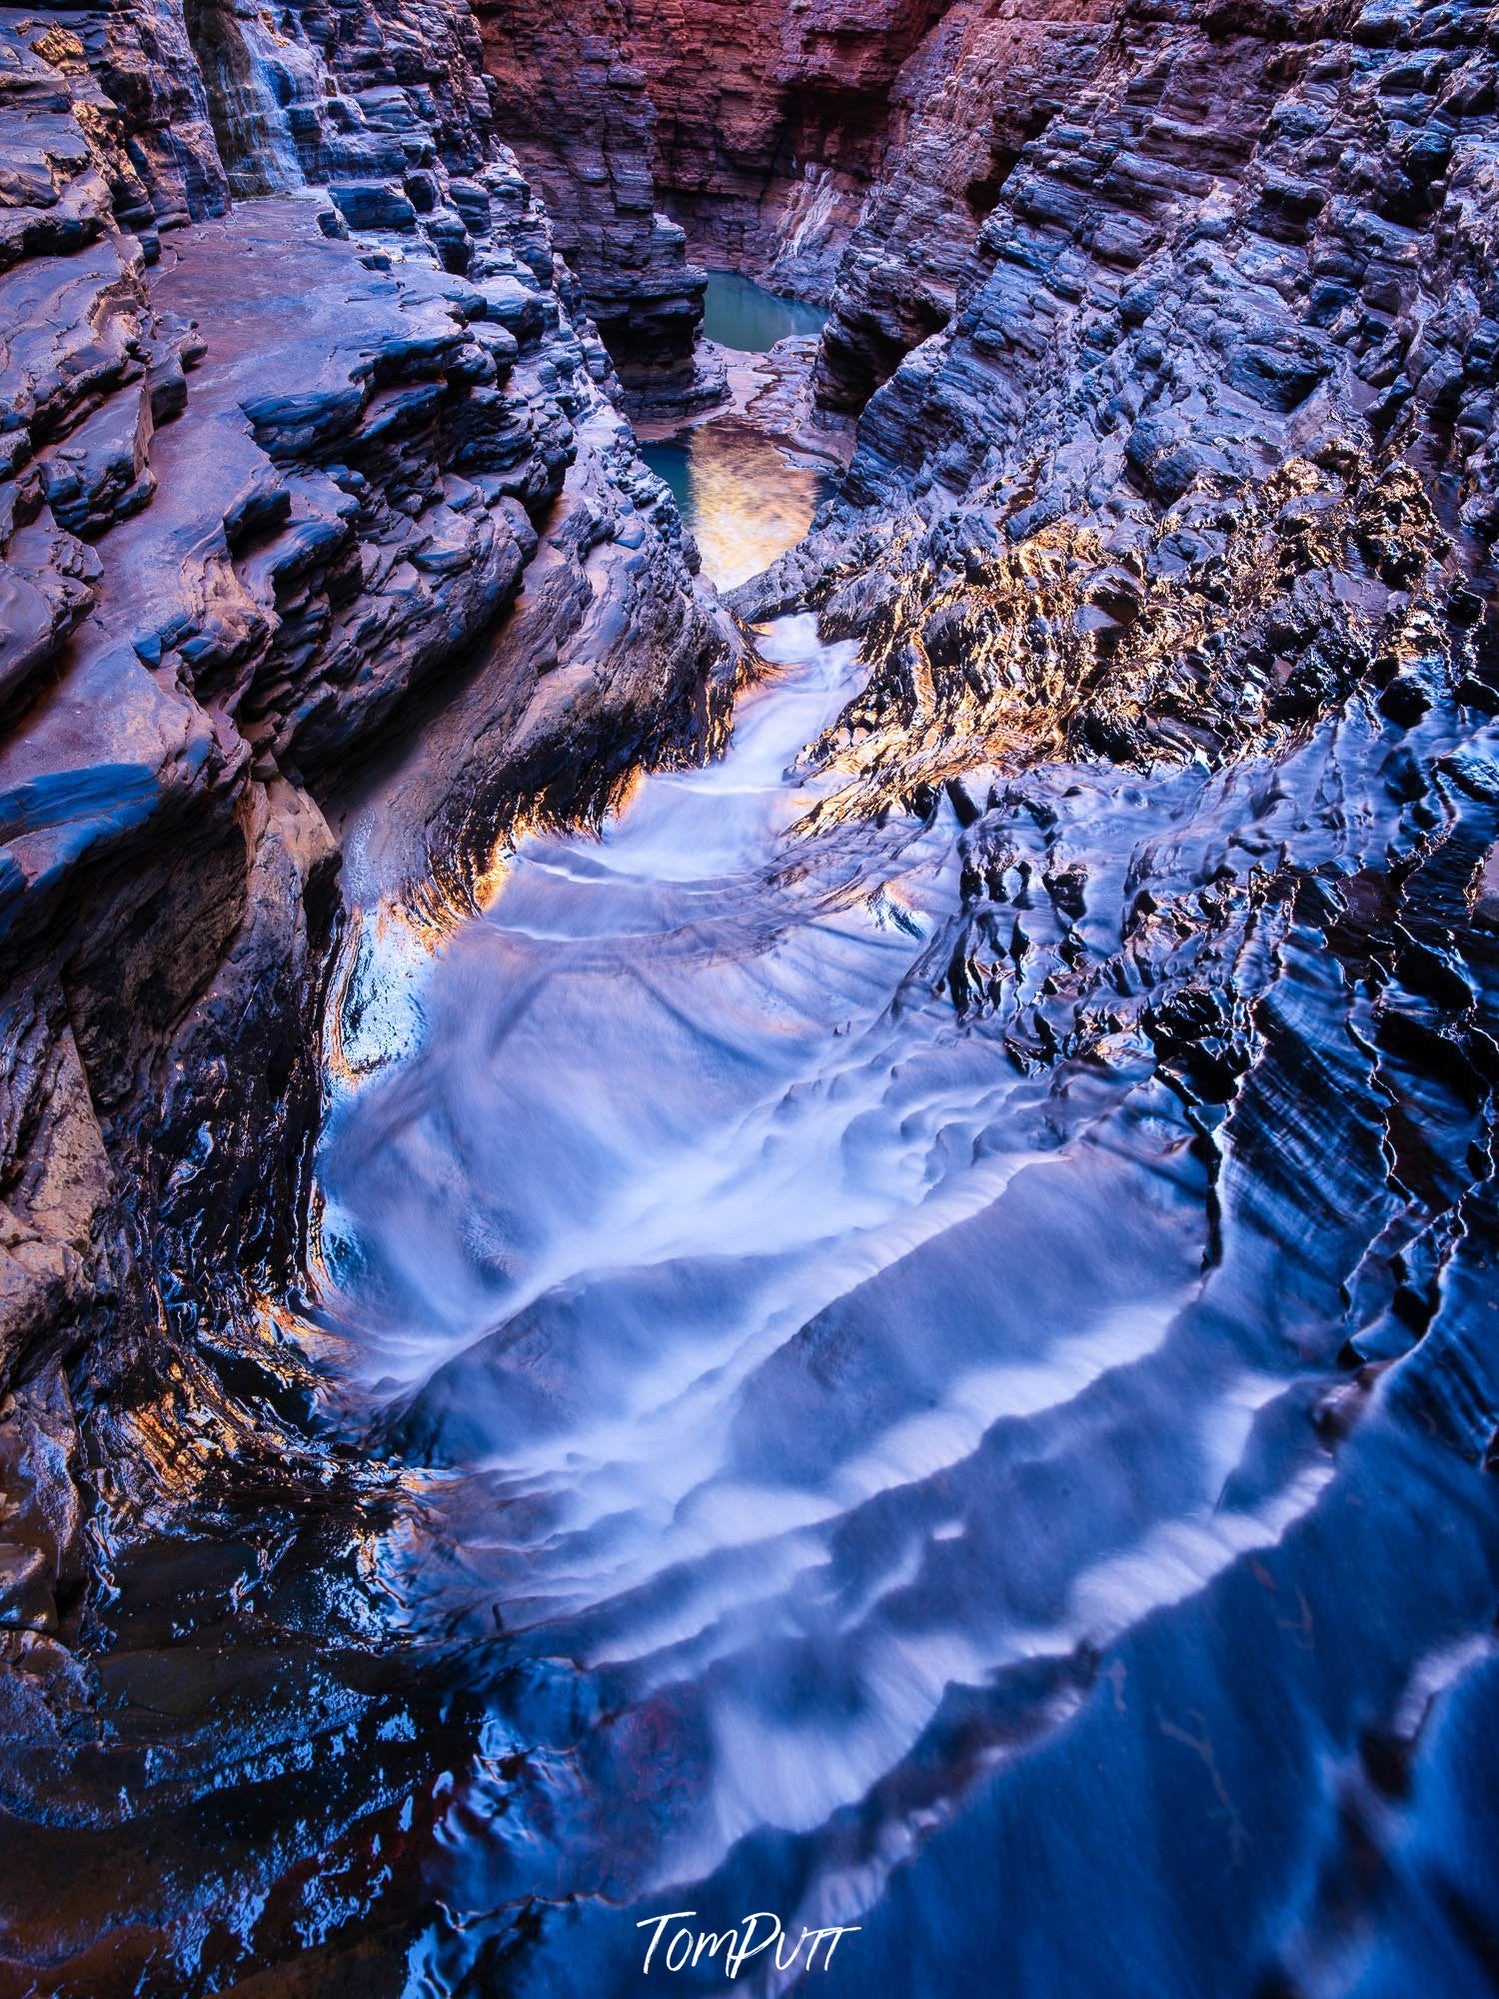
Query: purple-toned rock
<point>270,473</point>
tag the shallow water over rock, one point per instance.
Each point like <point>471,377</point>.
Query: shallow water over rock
<point>877,1476</point>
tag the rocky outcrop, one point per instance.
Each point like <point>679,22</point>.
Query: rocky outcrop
<point>576,106</point>
<point>761,157</point>
<point>615,657</point>
<point>766,154</point>
<point>987,79</point>
<point>1153,457</point>
<point>266,487</point>
<point>1172,553</point>
<point>1190,509</point>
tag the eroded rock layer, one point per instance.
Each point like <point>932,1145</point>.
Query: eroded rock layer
<point>326,559</point>
<point>1240,301</point>
<point>986,80</point>
<point>767,157</point>
<point>577,105</point>
<point>264,485</point>
<point>762,152</point>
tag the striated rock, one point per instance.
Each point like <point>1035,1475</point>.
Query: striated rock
<point>766,157</point>
<point>610,648</point>
<point>986,80</point>
<point>62,1188</point>
<point>104,121</point>
<point>576,106</point>
<point>1165,387</point>
<point>1237,628</point>
<point>760,158</point>
<point>270,479</point>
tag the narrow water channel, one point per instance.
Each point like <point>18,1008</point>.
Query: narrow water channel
<point>850,1485</point>
<point>744,496</point>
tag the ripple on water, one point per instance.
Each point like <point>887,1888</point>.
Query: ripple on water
<point>894,1508</point>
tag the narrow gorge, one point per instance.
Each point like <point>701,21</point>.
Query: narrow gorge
<point>749,899</point>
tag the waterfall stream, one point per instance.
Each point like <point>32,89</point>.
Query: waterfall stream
<point>841,1447</point>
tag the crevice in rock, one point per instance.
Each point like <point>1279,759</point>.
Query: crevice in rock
<point>249,123</point>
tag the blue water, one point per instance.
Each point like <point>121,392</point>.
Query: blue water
<point>741,314</point>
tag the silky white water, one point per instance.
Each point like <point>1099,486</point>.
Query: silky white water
<point>752,1309</point>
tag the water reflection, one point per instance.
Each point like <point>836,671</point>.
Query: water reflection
<point>744,498</point>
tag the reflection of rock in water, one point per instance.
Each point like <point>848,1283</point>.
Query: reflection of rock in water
<point>740,314</point>
<point>744,498</point>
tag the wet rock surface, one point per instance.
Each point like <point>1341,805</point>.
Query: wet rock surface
<point>274,471</point>
<point>1030,1109</point>
<point>1153,356</point>
<point>984,82</point>
<point>1052,1437</point>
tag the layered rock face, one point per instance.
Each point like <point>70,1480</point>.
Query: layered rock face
<point>1151,112</point>
<point>757,130</point>
<point>1200,478</point>
<point>766,157</point>
<point>1249,274</point>
<point>984,82</point>
<point>1189,512</point>
<point>577,107</point>
<point>1173,555</point>
<point>262,486</point>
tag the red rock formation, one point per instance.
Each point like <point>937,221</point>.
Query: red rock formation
<point>218,591</point>
<point>1245,278</point>
<point>576,107</point>
<point>763,154</point>
<point>989,78</point>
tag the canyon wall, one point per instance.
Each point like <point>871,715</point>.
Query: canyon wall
<point>575,104</point>
<point>989,78</point>
<point>1199,479</point>
<point>274,468</point>
<point>757,130</point>
<point>1188,512</point>
<point>766,153</point>
<point>1256,239</point>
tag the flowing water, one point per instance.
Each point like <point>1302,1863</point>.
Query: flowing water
<point>859,1485</point>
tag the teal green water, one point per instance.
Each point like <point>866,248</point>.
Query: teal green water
<point>741,314</point>
<point>745,499</point>
<point>672,461</point>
